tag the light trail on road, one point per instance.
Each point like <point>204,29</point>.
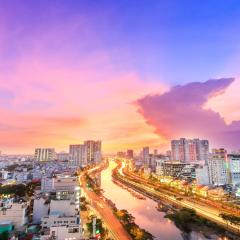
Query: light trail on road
<point>104,211</point>
<point>204,211</point>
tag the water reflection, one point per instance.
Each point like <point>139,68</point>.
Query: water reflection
<point>144,211</point>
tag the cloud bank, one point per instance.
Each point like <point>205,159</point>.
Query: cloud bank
<point>181,112</point>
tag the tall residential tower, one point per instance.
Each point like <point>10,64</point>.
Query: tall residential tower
<point>44,154</point>
<point>83,154</point>
<point>189,150</point>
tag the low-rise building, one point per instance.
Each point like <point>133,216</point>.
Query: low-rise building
<point>154,160</point>
<point>15,211</point>
<point>5,174</point>
<point>159,166</point>
<point>64,182</point>
<point>40,208</point>
<point>59,219</point>
<point>172,169</point>
<point>66,207</point>
<point>47,184</point>
<point>66,232</point>
<point>202,175</point>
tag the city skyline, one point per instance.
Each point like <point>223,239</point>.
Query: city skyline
<point>130,74</point>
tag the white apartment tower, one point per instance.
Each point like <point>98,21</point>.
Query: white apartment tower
<point>217,164</point>
<point>84,154</point>
<point>93,151</point>
<point>44,154</point>
<point>233,165</point>
<point>78,155</point>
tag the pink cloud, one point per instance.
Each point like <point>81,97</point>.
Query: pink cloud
<point>65,88</point>
<point>59,106</point>
<point>180,113</point>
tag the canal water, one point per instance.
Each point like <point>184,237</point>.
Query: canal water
<point>145,212</point>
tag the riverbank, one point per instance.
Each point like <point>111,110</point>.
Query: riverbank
<point>100,208</point>
<point>187,220</point>
<point>128,222</point>
<point>124,217</point>
<point>158,196</point>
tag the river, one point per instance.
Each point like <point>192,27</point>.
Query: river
<point>145,212</point>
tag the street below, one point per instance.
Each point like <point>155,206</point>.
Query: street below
<point>105,212</point>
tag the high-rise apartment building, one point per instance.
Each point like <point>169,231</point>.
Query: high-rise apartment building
<point>62,156</point>
<point>44,154</point>
<point>121,154</point>
<point>130,154</point>
<point>217,164</point>
<point>84,154</point>
<point>189,150</point>
<point>233,167</point>
<point>14,210</point>
<point>77,155</point>
<point>145,156</point>
<point>93,151</point>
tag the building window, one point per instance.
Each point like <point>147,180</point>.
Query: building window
<point>73,230</point>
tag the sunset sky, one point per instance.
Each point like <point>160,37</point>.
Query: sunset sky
<point>131,73</point>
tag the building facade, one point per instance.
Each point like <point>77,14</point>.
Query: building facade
<point>233,166</point>
<point>63,232</point>
<point>40,209</point>
<point>145,156</point>
<point>59,220</point>
<point>189,150</point>
<point>130,154</point>
<point>93,151</point>
<point>47,184</point>
<point>172,169</point>
<point>83,154</point>
<point>217,164</point>
<point>62,156</point>
<point>16,212</point>
<point>44,154</point>
<point>78,155</point>
<point>202,175</point>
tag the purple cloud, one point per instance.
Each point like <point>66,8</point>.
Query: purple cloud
<point>180,113</point>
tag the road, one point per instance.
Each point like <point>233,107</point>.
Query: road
<point>204,211</point>
<point>114,226</point>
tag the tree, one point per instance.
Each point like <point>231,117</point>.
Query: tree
<point>4,235</point>
<point>232,219</point>
<point>17,190</point>
<point>99,227</point>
